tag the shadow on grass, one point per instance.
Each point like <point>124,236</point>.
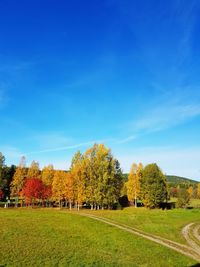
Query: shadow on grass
<point>196,265</point>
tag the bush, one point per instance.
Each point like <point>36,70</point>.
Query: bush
<point>183,198</point>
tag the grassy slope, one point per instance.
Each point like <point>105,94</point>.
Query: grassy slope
<point>59,238</point>
<point>167,223</point>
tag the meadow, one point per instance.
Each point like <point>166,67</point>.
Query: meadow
<point>52,237</point>
<point>194,202</point>
<point>164,223</point>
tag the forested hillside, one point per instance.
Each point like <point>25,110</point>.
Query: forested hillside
<point>173,179</point>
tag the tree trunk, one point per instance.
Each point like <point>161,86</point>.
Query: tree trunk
<point>16,203</point>
<point>135,201</point>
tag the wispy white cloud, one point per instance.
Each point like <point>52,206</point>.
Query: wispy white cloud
<point>51,139</point>
<point>166,116</point>
<point>125,140</point>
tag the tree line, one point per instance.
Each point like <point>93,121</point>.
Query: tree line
<point>95,179</point>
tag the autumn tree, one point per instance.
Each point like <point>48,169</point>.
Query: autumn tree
<point>90,176</point>
<point>33,190</point>
<point>174,192</point>
<point>198,190</point>
<point>133,184</point>
<point>190,191</point>
<point>1,194</point>
<point>59,186</point>
<point>19,179</point>
<point>78,176</point>
<point>47,192</point>
<point>34,170</point>
<point>47,175</point>
<point>153,186</point>
<point>70,188</point>
<point>102,176</point>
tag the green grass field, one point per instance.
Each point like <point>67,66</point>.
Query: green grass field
<point>165,223</point>
<point>195,203</point>
<point>42,237</point>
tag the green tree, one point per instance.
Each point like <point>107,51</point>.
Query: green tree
<point>183,198</point>
<point>2,164</point>
<point>7,176</point>
<point>2,160</point>
<point>153,186</point>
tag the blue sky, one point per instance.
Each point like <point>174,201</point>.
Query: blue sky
<point>125,73</point>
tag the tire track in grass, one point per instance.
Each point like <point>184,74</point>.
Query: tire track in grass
<point>191,235</point>
<point>196,232</point>
<point>181,248</point>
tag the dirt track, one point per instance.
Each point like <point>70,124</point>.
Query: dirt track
<point>191,235</point>
<point>192,251</point>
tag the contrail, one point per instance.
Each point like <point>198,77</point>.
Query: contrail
<point>126,140</point>
<point>112,140</point>
<point>61,148</point>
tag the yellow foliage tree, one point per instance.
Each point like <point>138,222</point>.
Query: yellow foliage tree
<point>102,176</point>
<point>47,175</point>
<point>77,172</point>
<point>70,189</point>
<point>18,178</point>
<point>58,186</point>
<point>34,171</point>
<point>133,184</point>
<point>190,191</point>
<point>18,181</point>
<point>198,190</point>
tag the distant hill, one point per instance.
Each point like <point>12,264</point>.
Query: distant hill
<point>173,179</point>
